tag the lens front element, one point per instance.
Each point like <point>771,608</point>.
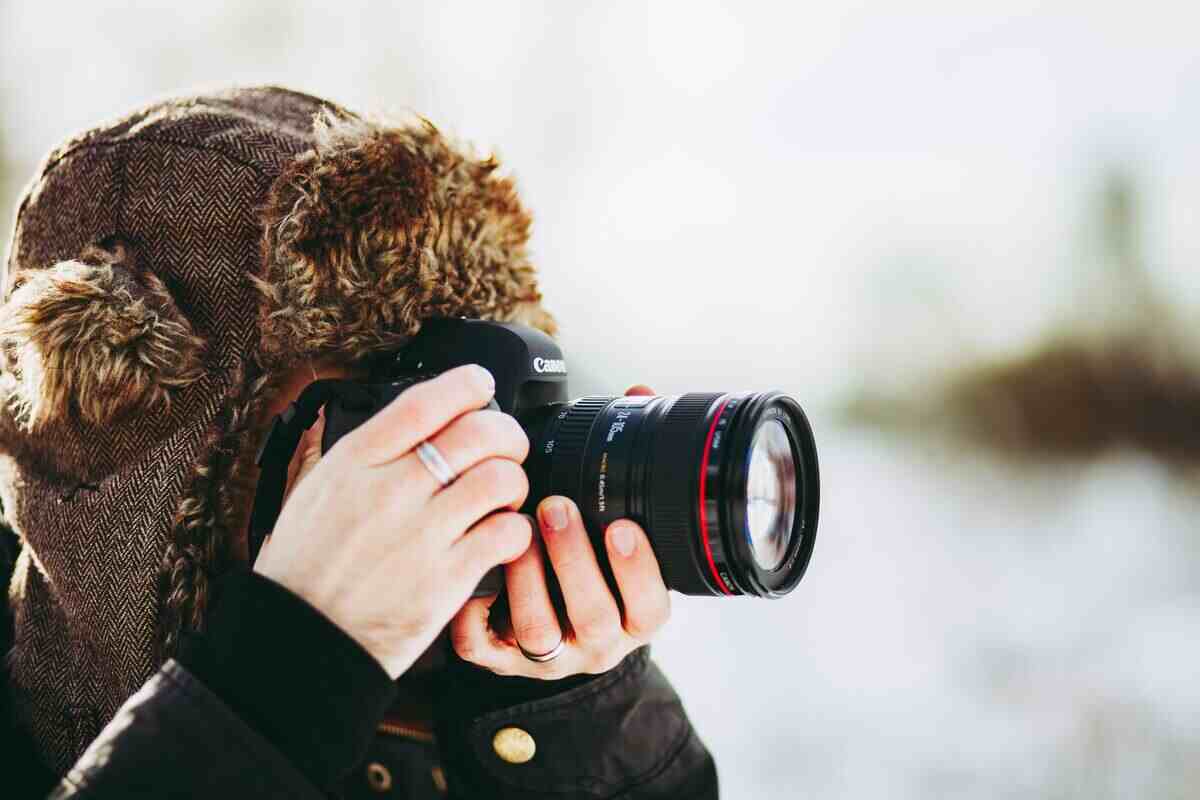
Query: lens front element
<point>770,494</point>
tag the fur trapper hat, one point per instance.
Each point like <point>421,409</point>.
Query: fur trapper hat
<point>166,271</point>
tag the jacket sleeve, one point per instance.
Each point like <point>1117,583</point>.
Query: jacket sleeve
<point>623,734</point>
<point>273,701</point>
<point>24,775</point>
<point>175,738</point>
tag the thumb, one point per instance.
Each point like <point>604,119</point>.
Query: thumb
<point>308,453</point>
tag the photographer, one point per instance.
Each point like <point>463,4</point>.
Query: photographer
<point>175,279</point>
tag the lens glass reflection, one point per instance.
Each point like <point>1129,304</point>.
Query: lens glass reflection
<point>770,494</point>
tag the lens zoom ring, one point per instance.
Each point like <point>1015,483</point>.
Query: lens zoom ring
<point>673,508</point>
<point>569,441</point>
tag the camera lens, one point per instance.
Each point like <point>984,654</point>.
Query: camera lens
<point>725,485</point>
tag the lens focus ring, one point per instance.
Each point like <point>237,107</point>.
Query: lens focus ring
<point>674,515</point>
<point>570,439</point>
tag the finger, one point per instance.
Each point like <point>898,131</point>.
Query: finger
<point>639,390</point>
<point>494,484</point>
<point>470,440</point>
<point>591,608</point>
<point>498,539</point>
<point>419,412</point>
<point>534,621</point>
<point>639,579</point>
<point>306,455</point>
<point>474,640</point>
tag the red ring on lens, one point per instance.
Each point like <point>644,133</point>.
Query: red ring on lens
<point>703,480</point>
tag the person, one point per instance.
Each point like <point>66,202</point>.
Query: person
<point>175,279</point>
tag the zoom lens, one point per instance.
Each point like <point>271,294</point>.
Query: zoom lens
<point>725,485</point>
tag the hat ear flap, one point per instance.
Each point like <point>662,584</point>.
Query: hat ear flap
<point>94,341</point>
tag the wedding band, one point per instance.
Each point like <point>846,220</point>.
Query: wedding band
<point>544,657</point>
<point>433,460</point>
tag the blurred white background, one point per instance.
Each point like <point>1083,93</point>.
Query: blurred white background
<point>735,195</point>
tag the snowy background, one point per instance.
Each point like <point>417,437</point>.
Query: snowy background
<point>735,195</point>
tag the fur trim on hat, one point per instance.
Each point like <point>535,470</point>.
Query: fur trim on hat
<point>379,227</point>
<point>94,340</point>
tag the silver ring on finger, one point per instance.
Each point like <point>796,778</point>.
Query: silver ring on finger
<point>542,658</point>
<point>436,463</point>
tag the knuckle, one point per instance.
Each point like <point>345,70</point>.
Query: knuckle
<point>641,628</point>
<point>502,534</point>
<point>598,663</point>
<point>476,425</point>
<point>664,610</point>
<point>498,434</point>
<point>597,628</point>
<point>488,473</point>
<point>503,481</point>
<point>647,622</point>
<point>464,646</point>
<point>421,618</point>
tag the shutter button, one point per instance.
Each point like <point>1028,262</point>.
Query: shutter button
<point>379,778</point>
<point>514,745</point>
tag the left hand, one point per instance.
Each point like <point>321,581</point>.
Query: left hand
<point>597,636</point>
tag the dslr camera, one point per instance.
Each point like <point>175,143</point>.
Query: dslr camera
<point>725,484</point>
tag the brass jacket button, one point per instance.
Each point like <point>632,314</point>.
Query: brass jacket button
<point>379,778</point>
<point>514,745</point>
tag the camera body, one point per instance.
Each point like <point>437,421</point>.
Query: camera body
<point>528,366</point>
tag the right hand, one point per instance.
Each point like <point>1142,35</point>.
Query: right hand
<point>368,536</point>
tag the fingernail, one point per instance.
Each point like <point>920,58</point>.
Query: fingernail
<point>486,378</point>
<point>624,538</point>
<point>554,513</point>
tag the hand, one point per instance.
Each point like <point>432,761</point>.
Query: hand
<point>368,536</point>
<point>597,635</point>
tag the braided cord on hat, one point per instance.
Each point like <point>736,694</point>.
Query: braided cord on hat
<point>202,538</point>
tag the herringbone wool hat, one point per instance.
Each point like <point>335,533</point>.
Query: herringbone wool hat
<point>165,271</point>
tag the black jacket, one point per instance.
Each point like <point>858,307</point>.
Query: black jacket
<point>274,701</point>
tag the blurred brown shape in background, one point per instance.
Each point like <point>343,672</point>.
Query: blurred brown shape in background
<point>1123,372</point>
<point>1079,399</point>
